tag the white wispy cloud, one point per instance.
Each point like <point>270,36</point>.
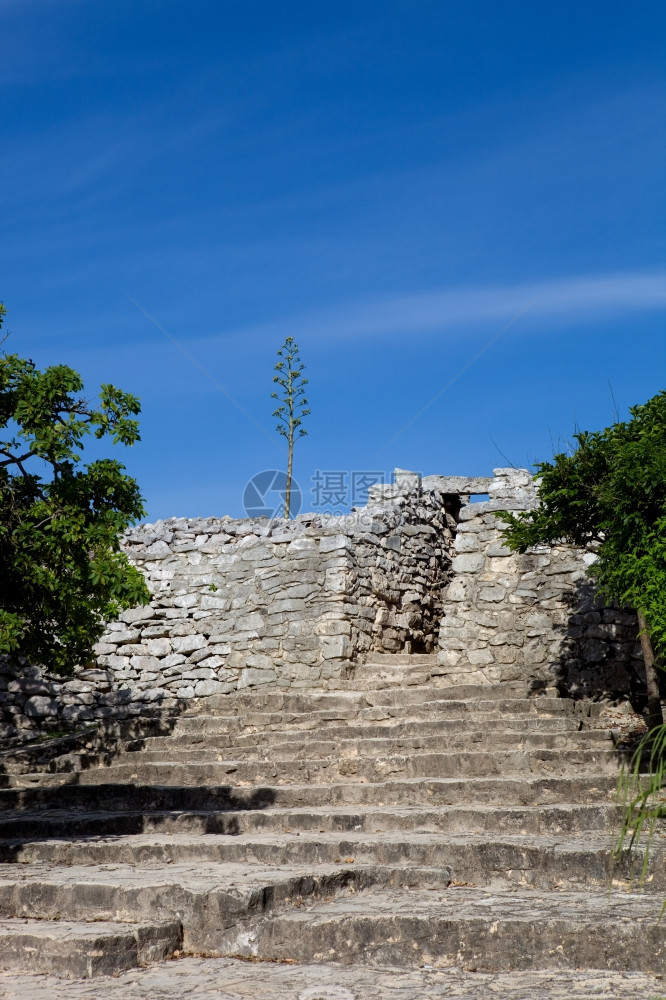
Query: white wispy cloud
<point>580,300</point>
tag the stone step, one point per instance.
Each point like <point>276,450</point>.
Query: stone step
<point>541,861</point>
<point>133,768</point>
<point>555,820</point>
<point>204,897</point>
<point>371,677</point>
<point>303,746</point>
<point>467,712</point>
<point>350,697</point>
<point>388,727</point>
<point>401,659</point>
<point>83,950</point>
<point>374,675</point>
<point>473,928</point>
<point>201,978</point>
<point>503,791</point>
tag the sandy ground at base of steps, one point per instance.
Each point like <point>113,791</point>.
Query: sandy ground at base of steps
<point>228,979</point>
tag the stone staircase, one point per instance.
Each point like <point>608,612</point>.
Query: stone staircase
<point>398,824</point>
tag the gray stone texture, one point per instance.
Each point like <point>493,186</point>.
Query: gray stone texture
<point>238,604</point>
<point>532,617</point>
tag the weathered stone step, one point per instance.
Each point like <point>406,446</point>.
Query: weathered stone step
<point>206,898</point>
<point>303,746</point>
<point>468,712</point>
<point>83,950</point>
<point>201,979</point>
<point>373,676</point>
<point>307,748</point>
<point>503,791</point>
<point>388,727</point>
<point>401,659</point>
<point>133,768</point>
<point>477,929</point>
<point>538,861</point>
<point>496,820</point>
<point>312,699</point>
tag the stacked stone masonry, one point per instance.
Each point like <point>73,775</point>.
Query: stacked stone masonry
<point>251,603</point>
<point>533,617</point>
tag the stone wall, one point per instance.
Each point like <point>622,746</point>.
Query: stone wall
<point>246,603</point>
<point>251,603</point>
<point>531,617</point>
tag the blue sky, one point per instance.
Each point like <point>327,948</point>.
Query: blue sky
<point>388,182</point>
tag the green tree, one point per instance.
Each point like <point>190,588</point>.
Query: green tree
<point>62,573</point>
<point>609,494</point>
<point>293,404</point>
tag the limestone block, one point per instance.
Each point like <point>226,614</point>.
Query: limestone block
<point>185,692</point>
<point>134,649</point>
<point>204,688</point>
<point>198,674</point>
<point>336,581</point>
<point>120,637</point>
<point>332,543</point>
<point>77,713</point>
<point>336,647</point>
<point>98,678</point>
<point>186,601</point>
<point>492,594</point>
<point>461,485</point>
<point>41,707</point>
<point>259,661</point>
<point>157,550</point>
<point>498,550</point>
<point>289,607</point>
<point>133,615</point>
<point>408,481</point>
<point>188,643</point>
<point>156,631</point>
<point>505,654</point>
<point>448,657</point>
<point>467,542</point>
<point>172,660</point>
<point>210,602</point>
<point>158,647</point>
<point>251,677</point>
<point>469,562</point>
<point>480,656</point>
<point>249,623</point>
<point>213,662</point>
<point>104,648</point>
<point>145,663</point>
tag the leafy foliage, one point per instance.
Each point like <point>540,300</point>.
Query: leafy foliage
<point>610,494</point>
<point>63,573</point>
<point>641,796</point>
<point>293,404</point>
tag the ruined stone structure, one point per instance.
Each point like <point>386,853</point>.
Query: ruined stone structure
<point>346,752</point>
<point>243,604</point>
